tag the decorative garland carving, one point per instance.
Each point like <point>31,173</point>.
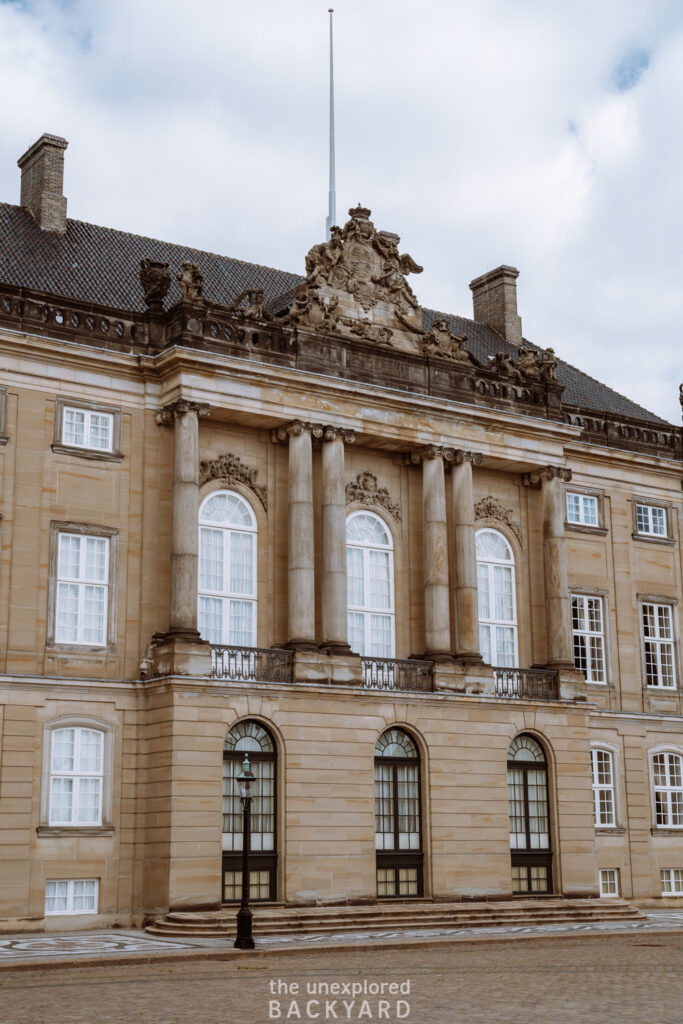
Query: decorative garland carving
<point>490,508</point>
<point>366,490</point>
<point>230,469</point>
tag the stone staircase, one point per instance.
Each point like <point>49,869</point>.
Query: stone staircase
<point>280,920</point>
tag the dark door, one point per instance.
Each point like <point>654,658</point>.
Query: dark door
<point>530,848</point>
<point>398,831</point>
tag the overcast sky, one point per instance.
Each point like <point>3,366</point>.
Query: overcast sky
<point>542,134</point>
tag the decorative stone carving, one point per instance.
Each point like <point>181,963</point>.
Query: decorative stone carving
<point>191,281</point>
<point>281,435</point>
<point>332,433</point>
<point>439,341</point>
<point>537,476</point>
<point>532,365</point>
<point>450,456</point>
<point>548,364</point>
<point>529,363</point>
<point>363,269</point>
<point>171,412</point>
<point>476,458</point>
<point>310,310</point>
<point>249,305</point>
<point>490,508</point>
<point>155,279</point>
<point>680,394</point>
<point>366,490</point>
<point>231,470</point>
<point>505,366</point>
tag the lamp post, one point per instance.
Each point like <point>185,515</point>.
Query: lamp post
<point>245,780</point>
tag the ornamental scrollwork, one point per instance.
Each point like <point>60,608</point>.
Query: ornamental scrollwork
<point>490,508</point>
<point>366,490</point>
<point>230,469</point>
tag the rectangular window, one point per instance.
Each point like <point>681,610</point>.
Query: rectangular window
<point>672,881</point>
<point>651,521</point>
<point>71,896</point>
<point>82,589</point>
<point>84,428</point>
<point>667,776</point>
<point>609,882</point>
<point>76,770</point>
<point>658,644</point>
<point>603,788</point>
<point>589,637</point>
<point>582,509</point>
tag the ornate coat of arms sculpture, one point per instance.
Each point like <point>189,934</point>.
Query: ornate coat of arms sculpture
<point>356,285</point>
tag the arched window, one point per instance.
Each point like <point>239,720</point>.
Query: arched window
<point>76,777</point>
<point>497,601</point>
<point>252,738</point>
<point>529,816</point>
<point>398,832</point>
<point>604,803</point>
<point>667,778</point>
<point>227,570</point>
<point>370,580</point>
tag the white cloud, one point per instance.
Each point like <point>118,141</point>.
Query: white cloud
<point>488,133</point>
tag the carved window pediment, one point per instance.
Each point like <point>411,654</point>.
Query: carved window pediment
<point>490,508</point>
<point>366,490</point>
<point>230,469</point>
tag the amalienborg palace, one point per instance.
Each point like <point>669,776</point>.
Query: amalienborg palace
<point>427,574</point>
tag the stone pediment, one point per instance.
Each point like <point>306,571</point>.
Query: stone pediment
<point>356,285</point>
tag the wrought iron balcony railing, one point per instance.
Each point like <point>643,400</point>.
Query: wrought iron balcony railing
<point>395,674</point>
<point>260,664</point>
<point>526,683</point>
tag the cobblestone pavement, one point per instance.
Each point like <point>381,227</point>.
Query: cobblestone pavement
<point>598,979</point>
<point>38,948</point>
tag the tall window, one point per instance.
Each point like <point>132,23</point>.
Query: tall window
<point>589,637</point>
<point>497,602</point>
<point>658,644</point>
<point>227,570</point>
<point>667,778</point>
<point>370,581</point>
<point>252,738</point>
<point>529,816</point>
<point>76,771</point>
<point>602,764</point>
<point>398,835</point>
<point>82,594</point>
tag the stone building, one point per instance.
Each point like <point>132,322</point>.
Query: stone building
<point>425,572</point>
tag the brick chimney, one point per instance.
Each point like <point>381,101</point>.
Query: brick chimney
<point>42,182</point>
<point>495,302</point>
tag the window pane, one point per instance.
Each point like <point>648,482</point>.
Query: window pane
<point>90,753</point>
<point>69,557</point>
<point>74,427</point>
<point>241,631</point>
<point>211,559</point>
<point>61,801</point>
<point>355,577</point>
<point>89,792</point>
<point>356,626</point>
<point>380,579</point>
<point>211,619</point>
<point>241,563</point>
<point>63,750</point>
<point>94,615</point>
<point>100,431</point>
<point>96,559</point>
<point>381,639</point>
<point>66,613</point>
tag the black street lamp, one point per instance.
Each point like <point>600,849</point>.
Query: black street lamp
<point>245,780</point>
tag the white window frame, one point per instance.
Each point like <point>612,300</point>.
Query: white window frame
<point>601,787</point>
<point>82,530</point>
<point>674,878</point>
<point>71,884</point>
<point>75,776</point>
<point>588,634</point>
<point>658,643</point>
<point>582,518</point>
<point>112,453</point>
<point>651,520</point>
<point>225,595</point>
<point>107,792</point>
<point>82,582</point>
<point>491,622</point>
<point>607,877</point>
<point>666,790</point>
<point>368,610</point>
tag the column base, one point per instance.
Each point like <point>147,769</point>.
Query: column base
<point>180,653</point>
<point>335,647</point>
<point>438,657</point>
<point>301,645</point>
<point>468,658</point>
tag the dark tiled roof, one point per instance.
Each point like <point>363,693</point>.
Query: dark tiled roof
<point>101,265</point>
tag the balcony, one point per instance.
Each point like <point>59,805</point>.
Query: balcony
<point>395,674</point>
<point>526,683</point>
<point>251,664</point>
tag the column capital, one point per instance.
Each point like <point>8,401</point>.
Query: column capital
<point>281,435</point>
<point>429,452</point>
<point>334,433</point>
<point>175,410</point>
<point>476,458</point>
<point>544,475</point>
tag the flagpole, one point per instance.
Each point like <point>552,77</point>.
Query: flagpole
<point>332,196</point>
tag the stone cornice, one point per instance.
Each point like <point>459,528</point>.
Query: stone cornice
<point>180,408</point>
<point>228,468</point>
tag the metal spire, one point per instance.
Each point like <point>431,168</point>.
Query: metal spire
<point>332,195</point>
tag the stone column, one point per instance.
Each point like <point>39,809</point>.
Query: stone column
<point>334,597</point>
<point>435,546</point>
<point>301,571</point>
<point>185,537</point>
<point>465,585</point>
<point>557,609</point>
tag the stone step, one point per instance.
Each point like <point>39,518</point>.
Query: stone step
<point>317,920</point>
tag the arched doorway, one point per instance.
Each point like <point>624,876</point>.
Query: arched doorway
<point>398,819</point>
<point>528,811</point>
<point>252,738</point>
